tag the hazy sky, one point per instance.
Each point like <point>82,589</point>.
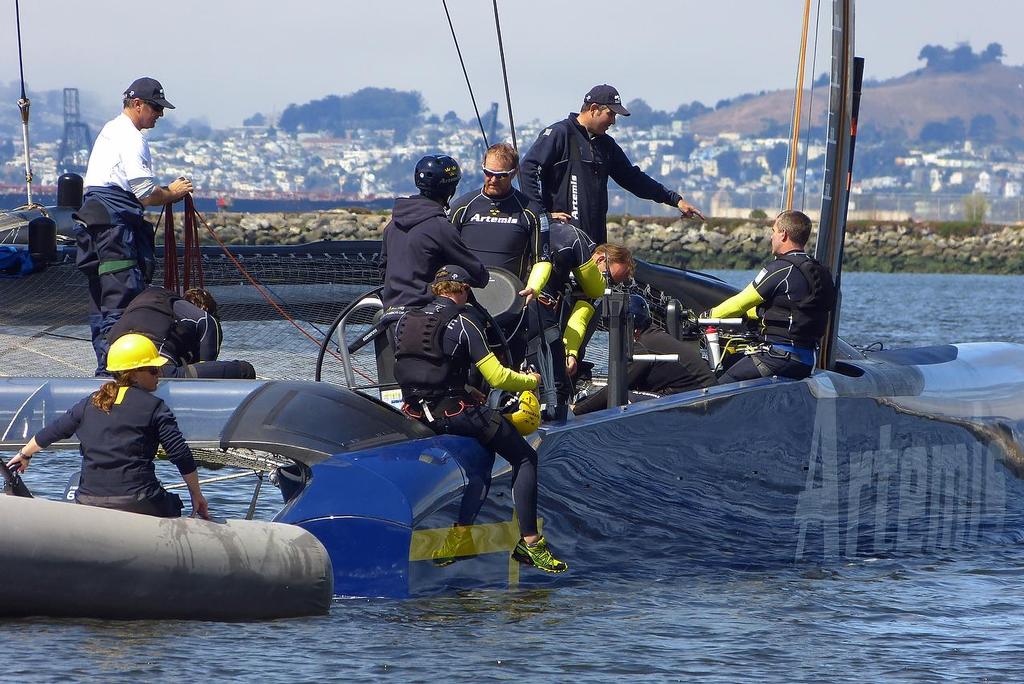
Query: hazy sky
<point>223,60</point>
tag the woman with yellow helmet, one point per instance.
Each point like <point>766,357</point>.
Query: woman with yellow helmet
<point>119,428</point>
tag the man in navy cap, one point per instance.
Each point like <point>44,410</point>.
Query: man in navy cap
<point>567,169</point>
<point>115,243</point>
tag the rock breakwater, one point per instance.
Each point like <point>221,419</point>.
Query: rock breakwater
<point>718,243</point>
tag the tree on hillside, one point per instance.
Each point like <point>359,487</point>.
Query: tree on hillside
<point>983,128</point>
<point>379,108</point>
<point>961,58</point>
<point>685,112</point>
<point>776,156</point>
<point>952,130</point>
<point>975,207</point>
<point>729,165</point>
<point>684,145</point>
<point>643,116</point>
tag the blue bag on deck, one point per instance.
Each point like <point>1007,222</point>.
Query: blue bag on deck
<point>15,262</point>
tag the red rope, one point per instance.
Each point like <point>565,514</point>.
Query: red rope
<point>191,273</point>
<point>193,276</point>
<point>170,250</point>
<point>259,288</point>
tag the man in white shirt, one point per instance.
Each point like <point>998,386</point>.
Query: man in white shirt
<point>116,248</point>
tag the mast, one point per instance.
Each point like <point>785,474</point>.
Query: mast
<point>838,159</point>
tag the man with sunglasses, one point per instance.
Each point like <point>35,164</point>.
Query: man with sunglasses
<point>115,243</point>
<point>567,169</point>
<point>502,227</point>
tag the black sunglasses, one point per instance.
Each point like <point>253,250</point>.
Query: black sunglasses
<point>497,174</point>
<point>159,109</point>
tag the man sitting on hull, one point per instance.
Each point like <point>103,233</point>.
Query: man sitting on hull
<point>435,347</point>
<point>185,331</point>
<point>792,296</point>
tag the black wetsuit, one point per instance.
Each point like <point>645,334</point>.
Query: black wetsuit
<point>658,377</point>
<point>509,232</point>
<point>790,329</point>
<point>567,170</point>
<point>118,451</point>
<point>570,249</point>
<point>455,412</point>
<point>418,241</point>
<point>184,334</point>
<point>502,231</point>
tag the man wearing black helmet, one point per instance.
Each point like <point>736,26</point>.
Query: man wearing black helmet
<point>658,377</point>
<point>419,239</point>
<point>567,169</point>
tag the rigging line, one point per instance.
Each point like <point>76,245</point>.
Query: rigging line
<point>262,290</point>
<point>794,141</point>
<point>24,104</point>
<point>465,73</point>
<point>810,109</point>
<point>504,74</point>
<point>21,63</point>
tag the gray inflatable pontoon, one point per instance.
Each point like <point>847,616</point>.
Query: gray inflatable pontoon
<point>60,559</point>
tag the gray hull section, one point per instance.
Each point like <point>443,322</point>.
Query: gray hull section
<point>69,560</point>
<point>907,458</point>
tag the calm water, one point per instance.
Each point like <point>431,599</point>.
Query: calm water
<point>923,618</point>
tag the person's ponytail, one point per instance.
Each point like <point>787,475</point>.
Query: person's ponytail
<point>105,397</point>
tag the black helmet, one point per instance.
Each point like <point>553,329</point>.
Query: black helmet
<point>437,176</point>
<point>641,312</point>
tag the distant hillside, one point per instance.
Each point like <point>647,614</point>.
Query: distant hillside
<point>985,102</point>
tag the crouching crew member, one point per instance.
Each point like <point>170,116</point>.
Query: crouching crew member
<point>434,349</point>
<point>658,377</point>
<point>502,227</point>
<point>792,296</point>
<point>119,428</point>
<point>116,248</point>
<point>571,259</point>
<point>185,331</point>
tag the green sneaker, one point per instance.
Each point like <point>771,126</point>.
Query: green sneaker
<point>539,556</point>
<point>458,544</point>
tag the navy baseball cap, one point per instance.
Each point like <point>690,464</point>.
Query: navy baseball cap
<point>451,274</point>
<point>605,95</point>
<point>148,89</point>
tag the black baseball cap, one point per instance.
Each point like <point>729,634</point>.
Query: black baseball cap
<point>451,274</point>
<point>605,95</point>
<point>148,89</point>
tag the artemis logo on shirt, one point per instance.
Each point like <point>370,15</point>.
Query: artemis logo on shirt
<point>574,189</point>
<point>480,218</point>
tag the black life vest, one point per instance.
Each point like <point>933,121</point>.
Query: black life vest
<point>151,313</point>
<point>802,321</point>
<point>422,369</point>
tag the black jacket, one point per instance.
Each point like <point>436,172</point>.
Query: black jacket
<point>418,241</point>
<point>660,377</point>
<point>567,170</point>
<point>118,448</point>
<point>182,332</point>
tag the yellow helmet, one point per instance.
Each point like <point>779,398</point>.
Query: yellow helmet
<point>527,419</point>
<point>132,351</point>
